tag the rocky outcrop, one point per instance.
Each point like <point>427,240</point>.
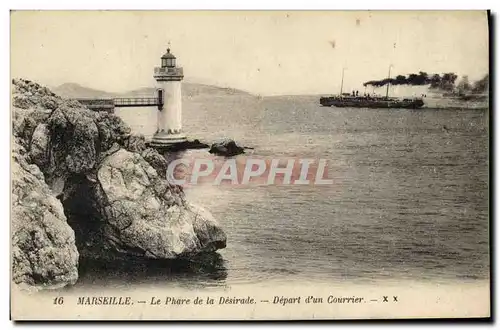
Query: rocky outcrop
<point>78,139</point>
<point>137,213</point>
<point>227,148</point>
<point>157,161</point>
<point>43,244</point>
<point>136,143</point>
<point>24,123</point>
<point>116,199</point>
<point>183,146</point>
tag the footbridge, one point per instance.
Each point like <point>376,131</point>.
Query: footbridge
<point>109,104</point>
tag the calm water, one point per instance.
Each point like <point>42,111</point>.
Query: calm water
<point>409,200</point>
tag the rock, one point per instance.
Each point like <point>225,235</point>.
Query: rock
<point>136,143</point>
<point>75,143</point>
<point>195,144</point>
<point>50,102</point>
<point>24,123</point>
<point>111,128</point>
<point>227,148</point>
<point>141,214</point>
<point>77,138</point>
<point>44,253</point>
<point>182,146</point>
<point>22,101</point>
<point>116,202</point>
<point>156,160</point>
<point>207,230</point>
<point>39,146</point>
<point>27,94</point>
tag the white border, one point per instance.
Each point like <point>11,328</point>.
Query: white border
<point>255,5</point>
<point>190,5</point>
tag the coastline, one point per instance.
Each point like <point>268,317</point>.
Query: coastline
<point>70,199</point>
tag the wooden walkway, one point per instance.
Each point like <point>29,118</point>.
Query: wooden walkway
<point>108,104</point>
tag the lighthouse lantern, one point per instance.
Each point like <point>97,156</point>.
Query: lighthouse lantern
<point>168,60</point>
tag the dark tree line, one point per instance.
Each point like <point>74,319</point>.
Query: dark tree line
<point>444,82</point>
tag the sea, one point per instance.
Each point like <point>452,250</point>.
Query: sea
<point>409,199</point>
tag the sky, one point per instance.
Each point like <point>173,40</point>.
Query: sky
<point>262,52</point>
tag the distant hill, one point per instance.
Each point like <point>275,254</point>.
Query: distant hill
<point>73,90</point>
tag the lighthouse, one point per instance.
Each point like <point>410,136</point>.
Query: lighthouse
<point>169,79</point>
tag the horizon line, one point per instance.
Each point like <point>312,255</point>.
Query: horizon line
<point>209,85</point>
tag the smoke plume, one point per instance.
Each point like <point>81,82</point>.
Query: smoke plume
<point>482,85</point>
<point>445,82</point>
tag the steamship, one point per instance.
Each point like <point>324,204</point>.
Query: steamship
<point>346,100</point>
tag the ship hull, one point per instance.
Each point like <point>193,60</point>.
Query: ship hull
<point>364,103</point>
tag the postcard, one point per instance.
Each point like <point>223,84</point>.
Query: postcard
<point>250,165</point>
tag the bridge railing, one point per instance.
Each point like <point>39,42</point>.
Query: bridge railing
<point>136,101</point>
<point>108,103</point>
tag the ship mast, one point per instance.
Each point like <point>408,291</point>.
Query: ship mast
<point>388,82</point>
<point>342,82</point>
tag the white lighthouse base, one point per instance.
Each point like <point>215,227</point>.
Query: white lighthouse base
<point>163,139</point>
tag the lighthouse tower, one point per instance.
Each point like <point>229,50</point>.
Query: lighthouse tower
<point>168,78</point>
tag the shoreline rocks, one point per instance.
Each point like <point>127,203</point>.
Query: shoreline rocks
<point>113,200</point>
<point>44,253</point>
<point>183,146</point>
<point>227,148</point>
<point>140,214</point>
